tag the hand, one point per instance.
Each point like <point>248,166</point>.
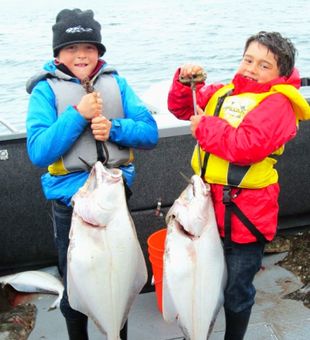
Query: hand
<point>195,120</point>
<point>190,70</point>
<point>90,105</point>
<point>101,127</point>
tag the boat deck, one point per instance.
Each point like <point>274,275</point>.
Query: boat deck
<point>273,316</point>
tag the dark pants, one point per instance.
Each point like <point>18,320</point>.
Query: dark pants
<point>62,222</point>
<point>243,262</point>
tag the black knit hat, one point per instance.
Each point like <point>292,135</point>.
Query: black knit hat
<point>76,26</point>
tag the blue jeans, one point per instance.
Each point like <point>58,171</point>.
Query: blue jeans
<point>243,262</point>
<point>62,221</point>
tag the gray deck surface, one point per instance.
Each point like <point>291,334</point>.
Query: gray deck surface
<point>272,318</point>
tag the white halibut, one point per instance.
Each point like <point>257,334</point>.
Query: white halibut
<point>194,267</point>
<point>35,281</point>
<point>106,266</point>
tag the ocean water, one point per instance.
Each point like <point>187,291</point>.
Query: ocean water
<point>146,40</point>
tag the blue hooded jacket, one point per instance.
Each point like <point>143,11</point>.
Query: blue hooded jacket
<point>50,136</point>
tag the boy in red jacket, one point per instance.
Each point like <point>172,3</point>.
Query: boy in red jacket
<point>239,128</point>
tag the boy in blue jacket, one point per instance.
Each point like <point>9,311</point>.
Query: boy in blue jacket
<point>80,111</point>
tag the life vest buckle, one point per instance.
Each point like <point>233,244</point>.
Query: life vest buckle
<point>227,195</point>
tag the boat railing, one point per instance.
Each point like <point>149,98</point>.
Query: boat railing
<point>8,131</point>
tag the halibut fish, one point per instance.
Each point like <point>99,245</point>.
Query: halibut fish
<point>194,267</point>
<point>35,281</point>
<point>106,266</point>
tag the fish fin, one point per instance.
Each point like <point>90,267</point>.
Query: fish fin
<point>55,304</point>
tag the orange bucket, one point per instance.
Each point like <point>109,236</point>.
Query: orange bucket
<point>156,247</point>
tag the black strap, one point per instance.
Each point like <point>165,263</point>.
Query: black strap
<point>227,227</point>
<point>232,208</point>
<point>204,165</point>
<point>219,104</point>
<point>100,154</point>
<point>128,191</point>
<point>236,173</point>
<point>251,227</point>
<point>227,216</point>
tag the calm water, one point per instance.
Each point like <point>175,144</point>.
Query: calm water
<point>146,40</point>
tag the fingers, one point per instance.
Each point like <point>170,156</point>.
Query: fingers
<point>195,120</point>
<point>190,70</point>
<point>91,105</point>
<point>199,110</point>
<point>97,97</point>
<point>98,104</point>
<point>101,127</point>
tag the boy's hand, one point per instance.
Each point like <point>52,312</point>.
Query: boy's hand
<point>101,127</point>
<point>195,120</point>
<point>90,105</point>
<point>190,71</point>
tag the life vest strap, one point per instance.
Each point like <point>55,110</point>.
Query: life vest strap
<point>232,208</point>
<point>204,165</point>
<point>236,173</point>
<point>217,110</point>
<point>102,152</point>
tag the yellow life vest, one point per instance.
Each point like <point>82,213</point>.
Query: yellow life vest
<point>234,109</point>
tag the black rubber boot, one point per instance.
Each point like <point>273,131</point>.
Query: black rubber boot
<point>123,333</point>
<point>236,324</point>
<point>77,328</point>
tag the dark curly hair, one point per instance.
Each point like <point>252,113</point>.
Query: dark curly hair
<point>281,47</point>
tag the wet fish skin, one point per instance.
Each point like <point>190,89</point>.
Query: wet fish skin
<point>190,210</point>
<point>106,266</point>
<point>35,281</point>
<point>194,267</point>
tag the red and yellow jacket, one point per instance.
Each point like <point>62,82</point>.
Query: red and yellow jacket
<point>255,122</point>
